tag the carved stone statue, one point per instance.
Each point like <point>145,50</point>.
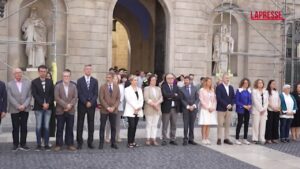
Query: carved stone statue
<point>223,45</point>
<point>35,31</point>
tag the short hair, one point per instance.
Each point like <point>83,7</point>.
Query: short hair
<point>187,77</point>
<point>110,74</point>
<point>191,74</point>
<point>243,81</point>
<point>167,74</point>
<point>132,77</point>
<point>124,76</point>
<point>67,71</point>
<point>202,78</point>
<point>256,83</point>
<point>286,86</point>
<point>14,71</point>
<point>87,65</point>
<point>42,67</point>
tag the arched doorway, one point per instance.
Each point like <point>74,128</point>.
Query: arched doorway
<point>146,25</point>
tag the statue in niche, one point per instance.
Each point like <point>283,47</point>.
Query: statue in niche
<point>223,45</point>
<point>35,31</point>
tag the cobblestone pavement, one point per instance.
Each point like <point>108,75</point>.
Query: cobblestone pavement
<point>188,157</point>
<point>292,148</point>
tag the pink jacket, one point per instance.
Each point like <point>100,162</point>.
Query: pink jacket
<point>207,98</point>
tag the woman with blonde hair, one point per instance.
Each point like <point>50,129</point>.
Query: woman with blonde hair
<point>260,102</point>
<point>208,114</point>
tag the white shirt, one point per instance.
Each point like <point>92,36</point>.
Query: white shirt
<point>289,102</point>
<point>87,78</point>
<point>110,85</point>
<point>226,88</point>
<point>66,87</point>
<point>19,85</point>
<point>274,100</point>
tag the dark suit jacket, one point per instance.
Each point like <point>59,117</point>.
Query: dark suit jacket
<point>168,97</point>
<point>85,94</point>
<point>223,100</point>
<point>109,100</point>
<point>189,99</point>
<point>3,97</point>
<point>41,97</point>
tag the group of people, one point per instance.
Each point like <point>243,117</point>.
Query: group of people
<point>142,96</point>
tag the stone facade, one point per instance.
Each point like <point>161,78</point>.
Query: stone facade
<point>84,36</point>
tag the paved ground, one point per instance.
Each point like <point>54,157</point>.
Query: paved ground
<point>188,157</point>
<point>292,148</point>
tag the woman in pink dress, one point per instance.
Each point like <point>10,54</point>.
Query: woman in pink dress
<point>208,114</point>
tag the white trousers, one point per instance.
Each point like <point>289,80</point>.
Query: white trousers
<point>151,126</point>
<point>259,127</point>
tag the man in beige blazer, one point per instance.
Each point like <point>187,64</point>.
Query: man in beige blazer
<point>66,95</point>
<point>19,97</point>
<point>109,97</point>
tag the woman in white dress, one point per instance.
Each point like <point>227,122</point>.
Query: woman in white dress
<point>208,114</point>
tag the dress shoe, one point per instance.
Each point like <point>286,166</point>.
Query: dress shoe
<point>148,142</point>
<point>90,146</point>
<point>114,146</point>
<point>163,143</point>
<point>192,142</point>
<point>57,148</point>
<point>72,148</point>
<point>227,141</point>
<point>154,142</point>
<point>219,142</point>
<point>173,143</point>
<point>100,146</point>
<point>185,143</point>
<point>79,146</point>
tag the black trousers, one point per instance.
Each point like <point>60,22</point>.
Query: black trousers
<point>62,120</point>
<point>188,123</point>
<point>132,123</point>
<point>80,121</point>
<point>19,121</point>
<point>112,120</point>
<point>272,126</point>
<point>243,119</point>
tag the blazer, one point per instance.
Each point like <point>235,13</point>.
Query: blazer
<point>207,99</point>
<point>242,98</point>
<point>169,96</point>
<point>16,98</point>
<point>40,96</point>
<point>223,99</point>
<point>85,94</point>
<point>188,99</point>
<point>109,100</point>
<point>3,97</point>
<point>62,100</point>
<point>257,102</point>
<point>132,102</point>
<point>150,97</point>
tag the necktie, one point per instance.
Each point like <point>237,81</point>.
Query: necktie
<point>171,87</point>
<point>88,84</point>
<point>110,90</point>
<point>188,90</point>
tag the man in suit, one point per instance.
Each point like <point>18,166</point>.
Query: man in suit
<point>170,107</point>
<point>66,98</point>
<point>87,88</point>
<point>19,98</point>
<point>190,102</point>
<point>225,101</point>
<point>3,100</point>
<point>42,90</point>
<point>109,97</point>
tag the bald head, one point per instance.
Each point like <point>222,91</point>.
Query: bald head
<point>17,72</point>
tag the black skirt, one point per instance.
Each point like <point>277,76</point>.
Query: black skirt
<point>296,120</point>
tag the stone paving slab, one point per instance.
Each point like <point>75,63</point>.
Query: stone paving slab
<point>175,157</point>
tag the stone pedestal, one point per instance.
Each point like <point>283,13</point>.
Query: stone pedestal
<point>31,73</point>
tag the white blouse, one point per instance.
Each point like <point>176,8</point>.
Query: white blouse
<point>289,102</point>
<point>274,100</point>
